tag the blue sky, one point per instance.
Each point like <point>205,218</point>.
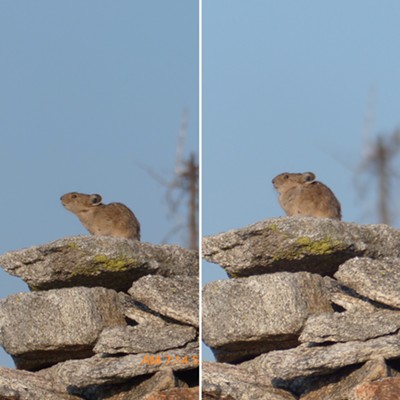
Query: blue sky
<point>285,89</point>
<point>89,92</point>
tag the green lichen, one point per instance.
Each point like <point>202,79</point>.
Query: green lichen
<point>273,227</point>
<point>101,263</point>
<point>307,246</point>
<point>114,264</point>
<point>318,247</point>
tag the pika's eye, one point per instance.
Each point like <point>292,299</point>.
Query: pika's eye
<point>286,176</point>
<point>74,196</point>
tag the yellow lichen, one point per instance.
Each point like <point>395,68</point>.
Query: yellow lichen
<point>113,264</point>
<point>307,246</point>
<point>101,262</point>
<point>322,246</point>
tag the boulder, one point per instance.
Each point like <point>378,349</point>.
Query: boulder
<point>346,298</point>
<point>350,326</point>
<point>176,298</point>
<point>42,328</point>
<point>136,313</point>
<point>24,385</point>
<point>229,381</point>
<point>317,245</point>
<point>137,388</point>
<point>247,316</point>
<point>341,386</point>
<point>306,360</point>
<point>96,261</point>
<point>143,338</point>
<point>79,375</point>
<point>376,280</point>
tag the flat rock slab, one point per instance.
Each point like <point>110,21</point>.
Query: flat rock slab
<point>230,381</point>
<point>261,312</point>
<point>144,338</point>
<point>339,387</point>
<point>347,298</point>
<point>42,328</point>
<point>136,389</point>
<point>96,261</point>
<point>350,326</point>
<point>377,280</point>
<point>317,245</point>
<point>305,361</point>
<point>24,385</point>
<point>176,298</point>
<point>98,370</point>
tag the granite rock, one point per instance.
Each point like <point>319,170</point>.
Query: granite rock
<point>247,316</point>
<point>317,245</point>
<point>57,324</point>
<point>176,298</point>
<point>96,261</point>
<point>376,280</point>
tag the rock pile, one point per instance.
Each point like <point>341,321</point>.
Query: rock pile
<point>107,318</point>
<point>312,311</point>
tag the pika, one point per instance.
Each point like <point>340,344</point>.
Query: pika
<point>301,194</point>
<point>114,219</point>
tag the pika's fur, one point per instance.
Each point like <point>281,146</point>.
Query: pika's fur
<point>300,194</point>
<point>114,219</point>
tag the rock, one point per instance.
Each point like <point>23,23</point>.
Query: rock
<point>247,316</point>
<point>349,326</point>
<point>230,381</point>
<point>137,313</point>
<point>136,389</point>
<point>318,360</point>
<point>317,245</point>
<point>384,389</point>
<point>144,338</point>
<point>346,298</point>
<point>340,386</point>
<point>374,279</point>
<point>96,261</point>
<point>24,385</point>
<point>176,298</point>
<point>42,328</point>
<point>175,394</point>
<point>208,396</point>
<point>78,375</point>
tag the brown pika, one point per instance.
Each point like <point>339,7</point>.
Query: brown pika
<point>114,219</point>
<point>301,194</point>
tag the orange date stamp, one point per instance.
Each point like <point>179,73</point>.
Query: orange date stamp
<point>167,359</point>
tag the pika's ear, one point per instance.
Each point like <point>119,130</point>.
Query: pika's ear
<point>308,177</point>
<point>95,199</point>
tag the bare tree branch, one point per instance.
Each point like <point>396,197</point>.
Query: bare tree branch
<point>181,189</point>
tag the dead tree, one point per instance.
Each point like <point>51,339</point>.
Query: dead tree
<point>378,165</point>
<point>184,186</point>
